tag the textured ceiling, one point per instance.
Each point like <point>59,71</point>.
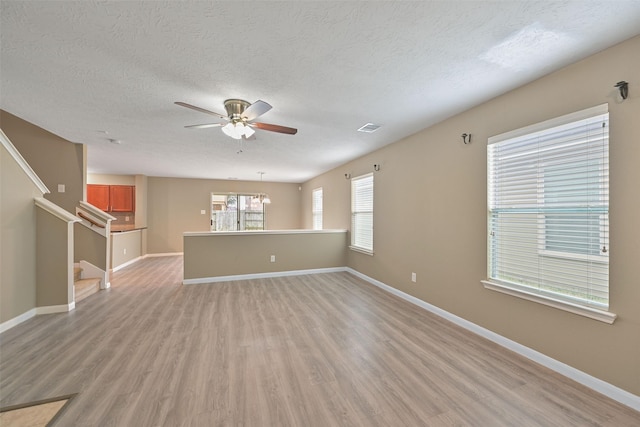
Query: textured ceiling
<point>80,69</point>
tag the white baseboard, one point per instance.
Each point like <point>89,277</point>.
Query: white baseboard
<point>50,309</point>
<point>5,326</point>
<point>126,264</point>
<point>163,254</point>
<point>203,280</point>
<point>615,393</point>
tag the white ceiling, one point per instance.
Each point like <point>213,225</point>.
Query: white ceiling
<point>80,69</point>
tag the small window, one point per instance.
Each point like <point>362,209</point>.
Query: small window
<point>316,208</point>
<point>362,213</point>
<point>548,209</point>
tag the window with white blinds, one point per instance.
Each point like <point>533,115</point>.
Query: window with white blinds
<point>362,213</point>
<point>316,208</point>
<point>548,208</point>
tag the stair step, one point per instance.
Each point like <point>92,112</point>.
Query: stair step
<point>86,287</point>
<point>77,273</point>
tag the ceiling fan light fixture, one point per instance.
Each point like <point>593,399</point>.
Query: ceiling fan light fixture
<point>248,131</point>
<point>240,117</point>
<point>230,129</point>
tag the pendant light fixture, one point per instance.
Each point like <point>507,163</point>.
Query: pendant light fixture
<point>262,197</point>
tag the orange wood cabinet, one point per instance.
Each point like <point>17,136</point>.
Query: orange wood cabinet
<point>112,198</point>
<point>122,198</point>
<point>98,196</point>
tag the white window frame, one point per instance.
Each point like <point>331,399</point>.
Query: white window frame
<point>316,208</point>
<point>498,196</point>
<point>239,214</point>
<point>362,190</point>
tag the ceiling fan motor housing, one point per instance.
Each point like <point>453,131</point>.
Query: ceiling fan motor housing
<point>235,108</point>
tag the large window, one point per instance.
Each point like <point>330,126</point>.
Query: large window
<point>234,212</point>
<point>362,213</point>
<point>316,208</point>
<point>548,202</point>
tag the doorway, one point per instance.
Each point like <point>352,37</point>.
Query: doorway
<point>236,212</point>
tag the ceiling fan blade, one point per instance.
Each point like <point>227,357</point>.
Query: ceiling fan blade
<point>275,128</point>
<point>206,125</point>
<point>202,110</point>
<point>255,110</point>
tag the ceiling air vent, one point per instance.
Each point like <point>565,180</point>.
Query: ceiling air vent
<point>369,127</point>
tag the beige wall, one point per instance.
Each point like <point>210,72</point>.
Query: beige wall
<point>126,241</point>
<point>17,239</point>
<point>174,205</point>
<point>54,160</point>
<point>430,216</point>
<point>90,246</point>
<point>141,201</point>
<point>53,260</point>
<point>222,254</point>
<point>109,179</point>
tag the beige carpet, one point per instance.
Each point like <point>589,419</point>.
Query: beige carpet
<point>34,414</point>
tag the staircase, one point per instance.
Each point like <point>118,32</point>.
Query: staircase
<point>83,288</point>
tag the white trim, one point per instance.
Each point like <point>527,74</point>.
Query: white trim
<point>90,270</point>
<point>87,224</point>
<point>258,232</point>
<point>55,210</point>
<point>163,254</point>
<point>202,280</point>
<point>581,310</point>
<point>49,309</point>
<point>6,143</point>
<point>5,326</point>
<point>361,250</point>
<point>126,264</point>
<point>615,393</point>
<point>97,212</point>
<point>548,124</point>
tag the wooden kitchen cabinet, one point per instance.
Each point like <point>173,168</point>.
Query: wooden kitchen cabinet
<point>112,198</point>
<point>122,198</point>
<point>98,196</point>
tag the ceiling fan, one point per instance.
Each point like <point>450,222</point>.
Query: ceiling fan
<point>240,119</point>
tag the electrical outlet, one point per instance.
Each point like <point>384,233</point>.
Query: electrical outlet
<point>126,218</point>
<point>413,277</point>
<point>203,212</point>
<point>273,258</point>
<point>61,188</point>
<point>125,251</point>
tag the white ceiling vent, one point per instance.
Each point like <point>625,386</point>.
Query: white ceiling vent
<point>369,127</point>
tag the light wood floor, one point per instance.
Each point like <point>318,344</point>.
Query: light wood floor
<point>316,350</point>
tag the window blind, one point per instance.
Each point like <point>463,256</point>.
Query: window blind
<point>316,208</point>
<point>362,212</point>
<point>548,203</point>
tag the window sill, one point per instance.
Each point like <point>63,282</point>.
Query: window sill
<point>361,250</point>
<point>592,313</point>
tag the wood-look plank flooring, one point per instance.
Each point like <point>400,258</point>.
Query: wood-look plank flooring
<point>315,350</point>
